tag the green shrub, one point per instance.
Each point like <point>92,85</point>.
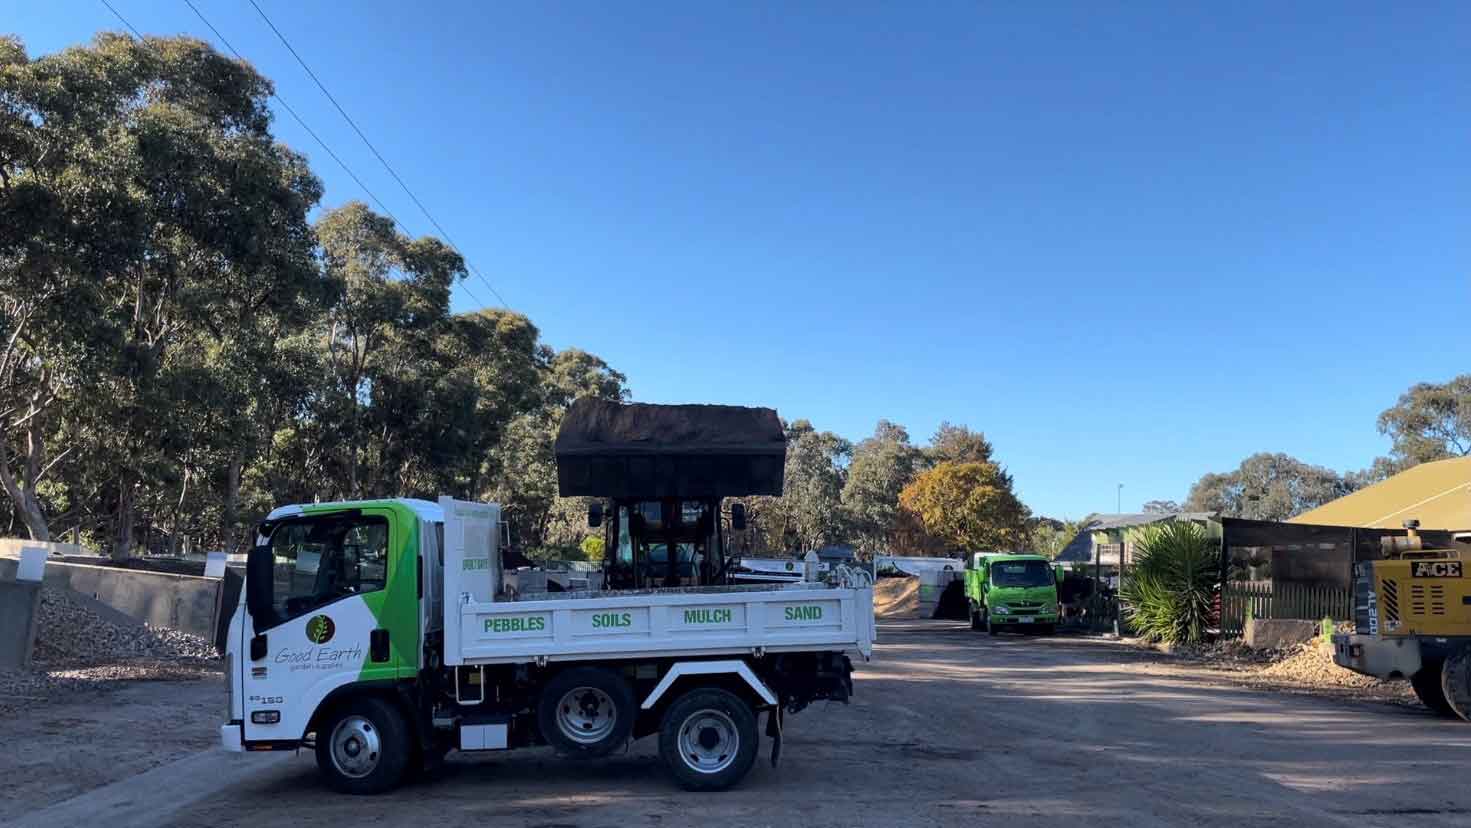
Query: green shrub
<point>1167,592</point>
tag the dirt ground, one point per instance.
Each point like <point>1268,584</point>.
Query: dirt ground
<point>947,727</point>
<point>53,750</point>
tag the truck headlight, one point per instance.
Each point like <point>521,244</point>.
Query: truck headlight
<point>1001,610</point>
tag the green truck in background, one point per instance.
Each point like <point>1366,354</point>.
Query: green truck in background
<point>1012,591</point>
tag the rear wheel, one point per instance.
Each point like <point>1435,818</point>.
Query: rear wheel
<point>708,739</point>
<point>586,712</point>
<point>364,746</point>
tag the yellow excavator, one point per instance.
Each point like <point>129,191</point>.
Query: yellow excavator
<point>1412,618</point>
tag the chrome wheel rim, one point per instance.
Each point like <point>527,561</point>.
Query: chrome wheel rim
<point>709,741</point>
<point>355,747</point>
<point>586,715</point>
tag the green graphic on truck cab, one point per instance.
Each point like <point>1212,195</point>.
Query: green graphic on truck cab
<point>394,607</point>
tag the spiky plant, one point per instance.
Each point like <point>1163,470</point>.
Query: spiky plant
<point>1167,591</point>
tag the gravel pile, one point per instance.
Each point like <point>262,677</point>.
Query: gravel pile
<point>1312,663</point>
<point>77,650</point>
<point>71,632</point>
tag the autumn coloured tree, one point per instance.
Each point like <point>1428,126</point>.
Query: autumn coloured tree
<point>970,506</point>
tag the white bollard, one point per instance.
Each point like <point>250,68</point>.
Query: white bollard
<point>32,565</point>
<point>809,567</point>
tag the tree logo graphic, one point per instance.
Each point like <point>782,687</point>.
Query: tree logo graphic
<point>319,630</point>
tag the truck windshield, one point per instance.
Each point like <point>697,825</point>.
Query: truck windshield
<point>1021,574</point>
<point>318,560</point>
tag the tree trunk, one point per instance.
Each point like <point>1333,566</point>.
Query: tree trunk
<point>229,530</point>
<point>122,544</point>
<point>22,492</point>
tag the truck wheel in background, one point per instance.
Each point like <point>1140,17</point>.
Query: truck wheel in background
<point>1455,683</point>
<point>708,739</point>
<point>363,746</point>
<point>586,712</point>
<point>1426,684</point>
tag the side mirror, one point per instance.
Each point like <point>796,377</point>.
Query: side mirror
<point>1058,571</point>
<point>260,567</point>
<point>737,516</point>
<point>595,515</point>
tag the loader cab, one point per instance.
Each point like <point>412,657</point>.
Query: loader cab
<point>661,543</point>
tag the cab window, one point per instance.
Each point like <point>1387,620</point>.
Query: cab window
<point>319,560</point>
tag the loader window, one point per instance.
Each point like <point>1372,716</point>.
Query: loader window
<point>319,560</point>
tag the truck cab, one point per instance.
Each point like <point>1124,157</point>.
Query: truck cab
<point>1006,591</point>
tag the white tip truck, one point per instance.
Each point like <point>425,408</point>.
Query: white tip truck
<point>384,633</point>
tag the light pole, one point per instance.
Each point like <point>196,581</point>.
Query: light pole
<point>1123,545</point>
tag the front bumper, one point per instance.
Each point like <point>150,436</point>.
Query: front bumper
<point>1023,620</point>
<point>231,737</point>
<point>1372,655</point>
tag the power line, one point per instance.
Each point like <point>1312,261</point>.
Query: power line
<point>299,120</point>
<point>374,150</point>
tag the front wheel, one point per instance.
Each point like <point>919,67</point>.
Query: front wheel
<point>1455,683</point>
<point>975,619</point>
<point>991,626</point>
<point>708,739</point>
<point>1426,684</point>
<point>364,746</point>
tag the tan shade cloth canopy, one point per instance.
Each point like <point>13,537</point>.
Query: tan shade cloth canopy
<point>1436,494</point>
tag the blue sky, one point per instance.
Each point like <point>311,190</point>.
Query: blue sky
<point>1131,244</point>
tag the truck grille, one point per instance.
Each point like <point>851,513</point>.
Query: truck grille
<point>1427,600</point>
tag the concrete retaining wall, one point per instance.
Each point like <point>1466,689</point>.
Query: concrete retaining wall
<point>18,605</point>
<point>1279,634</point>
<point>182,602</point>
<point>10,548</point>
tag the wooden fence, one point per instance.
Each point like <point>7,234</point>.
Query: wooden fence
<point>1281,600</point>
<point>1098,614</point>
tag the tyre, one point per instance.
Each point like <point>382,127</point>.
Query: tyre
<point>708,739</point>
<point>364,746</point>
<point>992,627</point>
<point>586,712</point>
<point>1427,686</point>
<point>975,620</point>
<point>1455,683</point>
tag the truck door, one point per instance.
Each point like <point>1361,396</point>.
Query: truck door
<point>342,607</point>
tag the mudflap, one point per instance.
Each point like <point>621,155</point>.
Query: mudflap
<point>773,732</point>
<point>1455,682</point>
